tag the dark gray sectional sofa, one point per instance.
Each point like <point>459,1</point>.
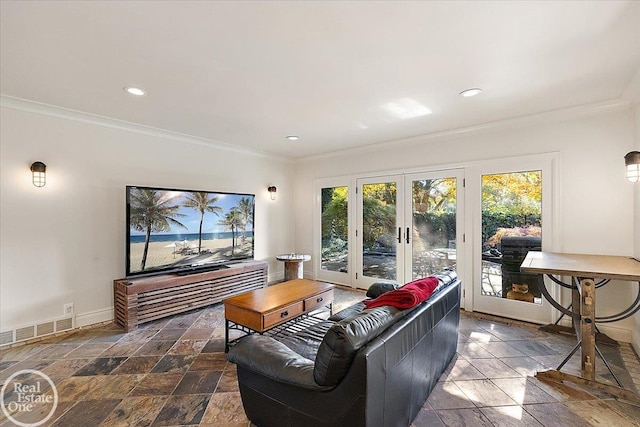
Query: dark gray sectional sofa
<point>360,367</point>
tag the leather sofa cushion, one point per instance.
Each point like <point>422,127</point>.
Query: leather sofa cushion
<point>307,341</point>
<point>345,338</point>
<point>347,312</point>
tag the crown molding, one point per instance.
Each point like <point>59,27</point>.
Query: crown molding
<point>559,115</point>
<point>97,120</point>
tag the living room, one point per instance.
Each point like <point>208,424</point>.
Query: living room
<point>64,243</point>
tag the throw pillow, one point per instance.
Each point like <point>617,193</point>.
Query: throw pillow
<point>379,288</point>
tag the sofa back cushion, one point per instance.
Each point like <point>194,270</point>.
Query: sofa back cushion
<point>345,338</point>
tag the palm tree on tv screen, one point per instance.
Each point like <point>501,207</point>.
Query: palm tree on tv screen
<point>232,220</point>
<point>152,211</point>
<point>245,206</point>
<point>202,202</point>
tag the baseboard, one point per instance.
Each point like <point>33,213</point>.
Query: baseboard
<point>618,334</point>
<point>92,317</point>
<point>275,277</point>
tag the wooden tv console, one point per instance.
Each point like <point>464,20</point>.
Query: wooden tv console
<point>138,300</point>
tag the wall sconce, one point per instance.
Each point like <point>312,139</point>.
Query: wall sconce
<point>632,161</point>
<point>272,191</point>
<point>39,174</point>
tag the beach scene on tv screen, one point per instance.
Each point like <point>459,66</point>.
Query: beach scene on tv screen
<point>173,229</point>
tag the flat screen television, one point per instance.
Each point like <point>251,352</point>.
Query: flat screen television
<point>170,230</point>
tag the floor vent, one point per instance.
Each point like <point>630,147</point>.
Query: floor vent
<point>25,333</point>
<point>64,324</point>
<point>44,329</point>
<point>6,337</point>
<point>36,331</point>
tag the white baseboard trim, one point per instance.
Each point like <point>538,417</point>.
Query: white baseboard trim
<point>93,317</point>
<point>618,334</point>
<point>275,277</point>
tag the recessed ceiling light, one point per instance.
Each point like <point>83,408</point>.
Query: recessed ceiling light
<point>293,137</point>
<point>470,92</point>
<point>135,91</point>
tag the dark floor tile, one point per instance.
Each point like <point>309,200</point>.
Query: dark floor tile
<point>136,411</point>
<point>427,418</point>
<point>174,363</point>
<point>509,416</point>
<point>25,364</point>
<point>199,382</point>
<point>187,347</point>
<point>197,334</point>
<point>100,366</point>
<point>88,350</point>
<point>54,351</point>
<point>484,393</point>
<point>169,334</point>
<point>523,391</point>
<point>209,362</point>
<point>464,418</point>
<point>114,387</point>
<point>64,368</point>
<point>228,382</point>
<point>108,336</point>
<point>447,395</point>
<point>137,365</point>
<point>597,413</point>
<point>494,368</point>
<point>87,413</point>
<point>225,409</point>
<point>157,384</point>
<point>155,347</point>
<point>139,335</point>
<point>21,352</point>
<point>122,348</point>
<point>4,365</point>
<point>554,414</point>
<point>184,321</point>
<point>533,348</point>
<point>39,413</point>
<point>182,410</point>
<point>73,389</point>
<point>214,346</point>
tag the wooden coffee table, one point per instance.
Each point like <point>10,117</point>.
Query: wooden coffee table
<point>263,309</point>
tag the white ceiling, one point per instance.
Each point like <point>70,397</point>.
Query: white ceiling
<point>338,74</point>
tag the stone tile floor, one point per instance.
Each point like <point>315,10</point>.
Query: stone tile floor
<point>174,372</point>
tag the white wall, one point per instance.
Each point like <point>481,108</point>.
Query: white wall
<point>65,243</point>
<point>595,201</point>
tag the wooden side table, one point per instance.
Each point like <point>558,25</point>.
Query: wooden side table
<point>293,265</point>
<point>588,272</point>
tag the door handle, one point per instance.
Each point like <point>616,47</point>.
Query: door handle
<point>399,234</point>
<point>408,231</point>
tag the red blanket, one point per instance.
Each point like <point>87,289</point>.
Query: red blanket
<point>410,295</point>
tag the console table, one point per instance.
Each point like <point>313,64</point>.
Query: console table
<point>143,299</point>
<point>264,309</point>
<point>584,270</point>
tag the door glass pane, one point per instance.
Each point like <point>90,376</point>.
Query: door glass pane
<point>379,230</point>
<point>511,226</point>
<point>434,225</point>
<point>335,231</point>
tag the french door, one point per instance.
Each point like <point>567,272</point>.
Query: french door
<point>407,226</point>
<point>511,215</point>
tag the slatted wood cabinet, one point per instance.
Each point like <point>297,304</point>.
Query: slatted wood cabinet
<point>143,299</point>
